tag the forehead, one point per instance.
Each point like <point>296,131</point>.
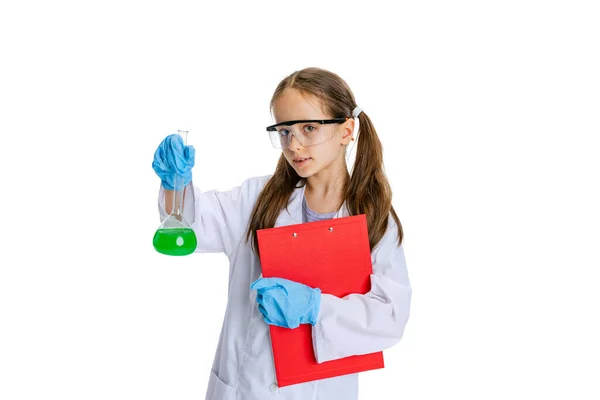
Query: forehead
<point>293,105</point>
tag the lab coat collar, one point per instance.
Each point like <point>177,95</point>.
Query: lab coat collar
<point>293,213</point>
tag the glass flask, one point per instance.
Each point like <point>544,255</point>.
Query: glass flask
<point>175,236</point>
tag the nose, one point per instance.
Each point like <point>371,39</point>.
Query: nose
<point>291,145</point>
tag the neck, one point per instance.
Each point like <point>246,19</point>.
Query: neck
<point>317,187</point>
<point>324,195</point>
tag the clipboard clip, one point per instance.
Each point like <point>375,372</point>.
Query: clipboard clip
<point>294,234</point>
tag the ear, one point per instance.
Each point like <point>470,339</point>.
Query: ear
<point>347,129</point>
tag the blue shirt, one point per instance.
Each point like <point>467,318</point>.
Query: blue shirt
<point>309,215</point>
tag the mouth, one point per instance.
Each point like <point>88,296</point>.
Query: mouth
<point>300,161</point>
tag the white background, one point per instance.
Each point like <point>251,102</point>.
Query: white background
<point>487,112</point>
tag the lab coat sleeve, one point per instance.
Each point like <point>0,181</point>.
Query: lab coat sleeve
<point>219,218</point>
<point>360,324</point>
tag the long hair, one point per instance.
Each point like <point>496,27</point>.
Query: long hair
<point>366,191</point>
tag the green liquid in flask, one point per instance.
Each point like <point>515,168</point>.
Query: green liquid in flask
<point>175,241</point>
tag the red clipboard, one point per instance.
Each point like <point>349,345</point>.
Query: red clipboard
<point>333,255</point>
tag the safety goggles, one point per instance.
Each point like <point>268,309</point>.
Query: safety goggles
<point>308,132</point>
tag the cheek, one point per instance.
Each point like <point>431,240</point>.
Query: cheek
<point>287,154</point>
<point>328,153</point>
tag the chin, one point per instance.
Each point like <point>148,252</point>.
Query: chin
<point>304,175</point>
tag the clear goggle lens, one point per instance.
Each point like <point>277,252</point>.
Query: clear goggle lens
<point>306,133</point>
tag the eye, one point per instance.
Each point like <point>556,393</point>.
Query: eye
<point>310,128</point>
<point>283,132</point>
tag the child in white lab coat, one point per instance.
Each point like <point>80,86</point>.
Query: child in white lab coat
<point>315,114</point>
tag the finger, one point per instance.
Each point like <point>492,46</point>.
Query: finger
<point>176,142</point>
<point>264,283</point>
<point>158,163</point>
<point>259,298</point>
<point>271,322</point>
<point>190,154</point>
<point>262,310</point>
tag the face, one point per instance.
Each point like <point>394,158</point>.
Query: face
<point>325,159</point>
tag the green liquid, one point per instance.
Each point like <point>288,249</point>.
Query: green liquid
<point>175,241</point>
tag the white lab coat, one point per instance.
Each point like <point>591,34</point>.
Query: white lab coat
<point>356,324</point>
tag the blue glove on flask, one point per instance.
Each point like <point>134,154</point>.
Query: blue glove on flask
<point>287,303</point>
<point>173,157</point>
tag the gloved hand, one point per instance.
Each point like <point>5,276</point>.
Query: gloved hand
<point>287,303</point>
<point>173,157</point>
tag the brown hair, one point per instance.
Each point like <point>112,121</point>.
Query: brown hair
<point>367,191</point>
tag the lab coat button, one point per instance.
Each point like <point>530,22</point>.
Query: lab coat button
<point>273,387</point>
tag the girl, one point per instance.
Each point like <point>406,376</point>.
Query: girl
<point>315,113</point>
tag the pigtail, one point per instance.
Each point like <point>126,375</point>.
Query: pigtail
<point>368,190</point>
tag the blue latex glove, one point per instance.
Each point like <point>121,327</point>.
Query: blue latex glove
<point>173,157</point>
<point>287,303</point>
